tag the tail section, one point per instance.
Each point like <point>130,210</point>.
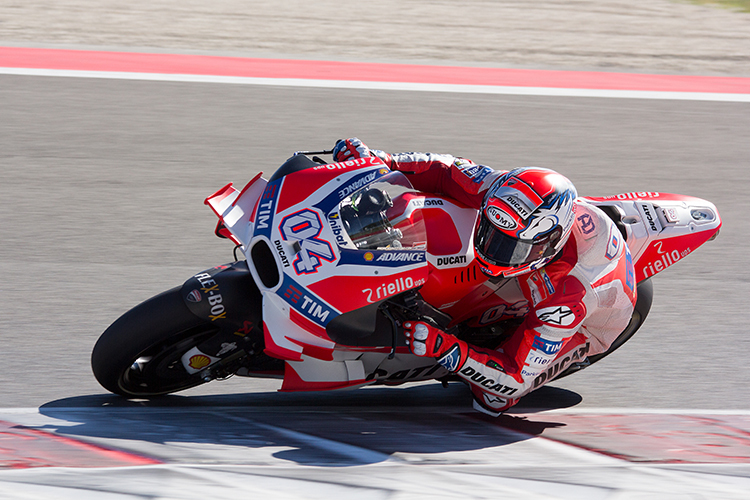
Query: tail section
<point>660,228</point>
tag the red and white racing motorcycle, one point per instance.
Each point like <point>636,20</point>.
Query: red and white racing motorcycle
<point>337,257</point>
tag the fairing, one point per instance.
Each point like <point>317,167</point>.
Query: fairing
<point>328,253</point>
<point>661,228</point>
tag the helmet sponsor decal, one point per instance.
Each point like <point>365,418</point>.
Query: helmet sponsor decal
<point>500,218</point>
<point>519,196</point>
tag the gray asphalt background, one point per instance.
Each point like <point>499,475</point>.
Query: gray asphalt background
<point>103,181</point>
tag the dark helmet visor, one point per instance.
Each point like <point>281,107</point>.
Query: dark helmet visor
<point>502,250</point>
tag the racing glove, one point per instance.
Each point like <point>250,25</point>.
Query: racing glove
<point>426,340</point>
<point>353,149</point>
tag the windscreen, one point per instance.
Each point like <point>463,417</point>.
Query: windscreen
<point>380,217</point>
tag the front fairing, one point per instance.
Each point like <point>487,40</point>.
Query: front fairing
<point>329,263</point>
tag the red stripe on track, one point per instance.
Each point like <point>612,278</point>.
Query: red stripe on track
<point>23,447</point>
<point>131,62</point>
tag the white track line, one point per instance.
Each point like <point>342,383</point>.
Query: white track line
<point>398,86</point>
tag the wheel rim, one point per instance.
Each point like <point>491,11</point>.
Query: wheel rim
<point>159,370</point>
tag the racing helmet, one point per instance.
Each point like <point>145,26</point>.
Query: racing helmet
<point>526,218</point>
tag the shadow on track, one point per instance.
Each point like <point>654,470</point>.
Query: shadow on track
<point>323,429</point>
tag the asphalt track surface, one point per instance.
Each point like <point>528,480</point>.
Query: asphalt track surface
<point>103,182</point>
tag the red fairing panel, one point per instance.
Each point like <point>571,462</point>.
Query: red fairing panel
<point>302,184</point>
<point>662,228</point>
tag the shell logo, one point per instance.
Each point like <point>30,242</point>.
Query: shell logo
<point>369,256</point>
<point>199,361</point>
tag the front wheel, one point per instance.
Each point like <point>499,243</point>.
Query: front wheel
<point>139,355</point>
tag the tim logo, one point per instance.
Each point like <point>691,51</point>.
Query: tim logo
<point>305,226</point>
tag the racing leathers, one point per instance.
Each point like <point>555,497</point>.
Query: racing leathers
<point>578,304</point>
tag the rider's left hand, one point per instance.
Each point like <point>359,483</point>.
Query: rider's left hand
<point>426,340</point>
<point>350,149</point>
<point>354,149</point>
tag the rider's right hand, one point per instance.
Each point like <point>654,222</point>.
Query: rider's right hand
<point>424,339</point>
<point>350,149</point>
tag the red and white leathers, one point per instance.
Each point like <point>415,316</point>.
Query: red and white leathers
<point>578,304</point>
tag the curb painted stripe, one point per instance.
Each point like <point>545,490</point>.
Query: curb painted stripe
<point>332,74</point>
<point>419,87</point>
<point>26,447</point>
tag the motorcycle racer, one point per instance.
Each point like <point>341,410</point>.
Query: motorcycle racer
<point>565,255</point>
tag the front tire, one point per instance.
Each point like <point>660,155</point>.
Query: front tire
<point>139,355</point>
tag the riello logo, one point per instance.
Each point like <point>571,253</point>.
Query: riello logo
<point>387,289</point>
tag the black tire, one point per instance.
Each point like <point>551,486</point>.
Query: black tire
<point>139,354</point>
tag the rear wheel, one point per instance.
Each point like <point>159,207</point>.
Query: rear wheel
<point>139,355</point>
<point>642,308</point>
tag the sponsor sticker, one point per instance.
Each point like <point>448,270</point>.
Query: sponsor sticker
<point>557,316</point>
<point>613,245</point>
<point>649,214</point>
<point>401,256</point>
<point>398,285</point>
<point>210,290</point>
<point>586,224</point>
<point>266,208</point>
<point>500,218</point>
<point>452,260</point>
<point>548,347</point>
<point>671,215</point>
<point>305,226</point>
<point>451,359</point>
<point>199,361</point>
<point>227,347</point>
<point>305,302</point>
<point>540,286</point>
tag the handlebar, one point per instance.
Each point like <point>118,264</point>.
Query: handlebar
<point>307,153</point>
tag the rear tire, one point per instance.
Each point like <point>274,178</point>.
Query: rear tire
<point>139,354</point>
<point>641,310</point>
